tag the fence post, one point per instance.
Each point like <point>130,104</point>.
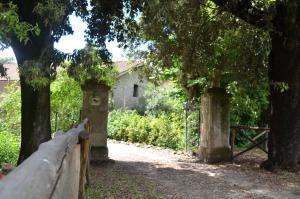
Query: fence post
<point>199,126</point>
<point>55,122</point>
<point>84,160</point>
<point>186,125</point>
<point>232,141</point>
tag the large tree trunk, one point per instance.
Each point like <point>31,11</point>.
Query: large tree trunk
<point>285,118</point>
<point>284,68</point>
<point>35,119</point>
<point>35,109</point>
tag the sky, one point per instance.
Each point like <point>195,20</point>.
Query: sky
<point>76,41</point>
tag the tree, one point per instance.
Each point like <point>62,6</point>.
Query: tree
<point>281,19</point>
<point>232,49</point>
<point>37,60</point>
<point>87,66</point>
<point>10,23</point>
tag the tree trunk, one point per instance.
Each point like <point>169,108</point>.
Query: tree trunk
<point>284,70</point>
<point>35,102</point>
<point>285,118</point>
<point>35,118</point>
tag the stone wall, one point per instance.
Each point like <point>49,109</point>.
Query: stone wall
<point>123,90</point>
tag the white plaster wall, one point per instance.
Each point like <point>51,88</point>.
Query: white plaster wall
<point>123,90</point>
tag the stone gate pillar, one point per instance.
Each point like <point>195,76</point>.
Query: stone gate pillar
<point>95,108</point>
<point>215,126</point>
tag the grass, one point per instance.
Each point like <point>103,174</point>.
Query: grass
<point>9,147</point>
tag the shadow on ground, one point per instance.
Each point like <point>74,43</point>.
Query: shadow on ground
<point>134,179</point>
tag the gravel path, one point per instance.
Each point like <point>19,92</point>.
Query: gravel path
<point>146,172</point>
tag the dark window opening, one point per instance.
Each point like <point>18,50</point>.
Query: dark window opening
<point>135,90</point>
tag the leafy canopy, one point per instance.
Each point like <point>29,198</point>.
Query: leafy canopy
<point>86,66</point>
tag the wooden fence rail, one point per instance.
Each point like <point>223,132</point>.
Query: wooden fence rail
<point>261,136</point>
<point>58,169</point>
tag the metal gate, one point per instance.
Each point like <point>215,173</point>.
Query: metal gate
<point>192,127</point>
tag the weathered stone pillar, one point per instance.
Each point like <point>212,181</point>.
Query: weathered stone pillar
<point>215,126</point>
<point>95,108</point>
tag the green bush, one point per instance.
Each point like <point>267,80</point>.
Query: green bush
<point>164,99</point>
<point>193,136</point>
<point>249,107</point>
<point>163,130</point>
<point>66,100</point>
<point>10,109</point>
<point>9,147</point>
<point>10,123</point>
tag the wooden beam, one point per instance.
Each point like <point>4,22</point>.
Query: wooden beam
<point>84,161</point>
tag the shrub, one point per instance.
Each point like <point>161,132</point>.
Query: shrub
<point>163,99</point>
<point>10,109</point>
<point>10,123</point>
<point>66,100</point>
<point>163,130</point>
<point>249,107</point>
<point>9,147</point>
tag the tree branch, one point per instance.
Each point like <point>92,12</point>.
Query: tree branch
<point>244,10</point>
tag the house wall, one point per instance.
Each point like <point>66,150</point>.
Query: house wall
<point>123,91</point>
<point>4,83</point>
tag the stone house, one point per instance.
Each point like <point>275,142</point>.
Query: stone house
<point>12,76</point>
<point>129,90</point>
<point>126,94</point>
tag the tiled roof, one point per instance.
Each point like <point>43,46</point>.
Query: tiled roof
<point>125,65</point>
<point>12,72</point>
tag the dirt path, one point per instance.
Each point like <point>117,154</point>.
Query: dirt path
<point>143,172</point>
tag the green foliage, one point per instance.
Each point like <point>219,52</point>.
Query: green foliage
<point>162,123</point>
<point>34,74</point>
<point>10,123</point>
<point>10,23</point>
<point>248,105</point>
<point>87,66</point>
<point>193,136</point>
<point>176,36</point>
<point>52,11</point>
<point>164,99</point>
<point>9,147</point>
<point>164,130</point>
<point>10,109</point>
<point>66,101</point>
<point>281,86</point>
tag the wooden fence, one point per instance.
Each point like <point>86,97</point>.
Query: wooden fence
<point>261,137</point>
<point>58,169</point>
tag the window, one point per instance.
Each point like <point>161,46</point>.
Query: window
<point>135,90</point>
